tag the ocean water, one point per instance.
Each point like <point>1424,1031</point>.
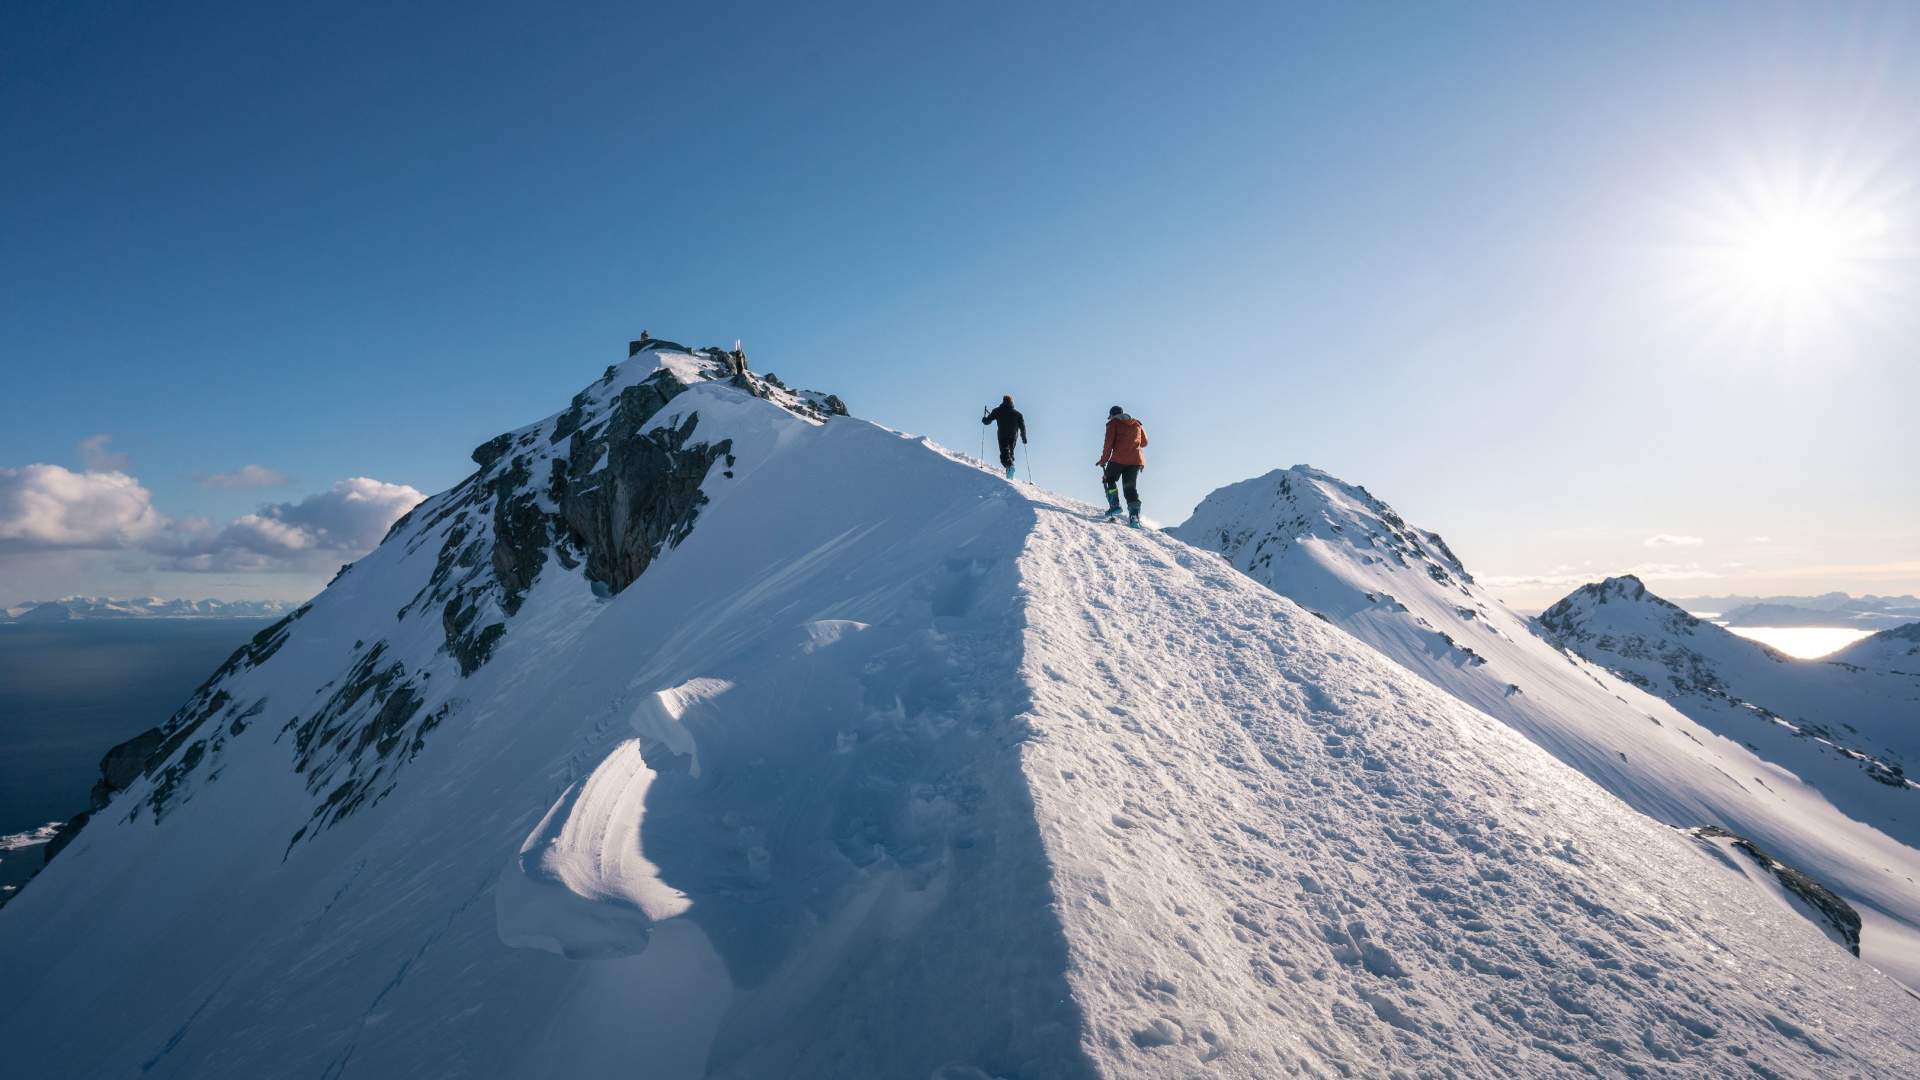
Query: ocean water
<point>1804,642</point>
<point>70,691</point>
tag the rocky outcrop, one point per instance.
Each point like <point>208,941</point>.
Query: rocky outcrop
<point>124,764</point>
<point>1836,913</point>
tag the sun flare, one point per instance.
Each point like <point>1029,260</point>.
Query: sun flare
<point>1800,256</point>
<point>1772,259</point>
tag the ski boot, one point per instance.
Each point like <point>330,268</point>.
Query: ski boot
<point>1133,522</point>
<point>1009,472</point>
<point>1112,514</point>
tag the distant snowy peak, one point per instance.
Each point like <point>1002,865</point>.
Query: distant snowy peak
<point>1573,618</point>
<point>1895,650</point>
<point>145,607</point>
<point>581,502</point>
<point>1862,708</point>
<point>1255,521</point>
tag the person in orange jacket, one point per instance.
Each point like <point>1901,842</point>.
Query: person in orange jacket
<point>1121,461</point>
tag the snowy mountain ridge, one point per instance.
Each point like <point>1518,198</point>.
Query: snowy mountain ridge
<point>918,773</point>
<point>144,607</point>
<point>1896,650</point>
<point>1342,553</point>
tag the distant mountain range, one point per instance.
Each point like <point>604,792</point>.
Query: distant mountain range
<point>1827,609</point>
<point>146,607</point>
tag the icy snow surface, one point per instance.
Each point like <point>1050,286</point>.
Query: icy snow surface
<point>891,768</point>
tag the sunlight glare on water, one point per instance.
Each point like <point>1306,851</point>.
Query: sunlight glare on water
<point>1805,642</point>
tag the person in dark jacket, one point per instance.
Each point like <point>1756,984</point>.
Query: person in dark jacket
<point>1012,425</point>
<point>1121,461</point>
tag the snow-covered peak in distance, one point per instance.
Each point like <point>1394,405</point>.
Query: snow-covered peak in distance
<point>1895,650</point>
<point>1344,554</point>
<point>808,749</point>
<point>1257,521</point>
<point>1862,720</point>
<point>144,607</point>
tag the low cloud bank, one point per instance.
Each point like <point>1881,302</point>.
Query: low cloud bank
<point>50,508</point>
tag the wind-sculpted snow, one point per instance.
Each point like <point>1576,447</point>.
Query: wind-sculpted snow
<point>1815,795</point>
<point>887,768</point>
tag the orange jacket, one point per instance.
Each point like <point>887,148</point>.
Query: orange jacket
<point>1125,438</point>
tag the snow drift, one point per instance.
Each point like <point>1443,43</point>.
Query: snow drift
<point>705,731</point>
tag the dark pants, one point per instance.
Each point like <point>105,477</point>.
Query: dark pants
<point>1006,452</point>
<point>1116,475</point>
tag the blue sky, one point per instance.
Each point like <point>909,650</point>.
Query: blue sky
<point>1485,259</point>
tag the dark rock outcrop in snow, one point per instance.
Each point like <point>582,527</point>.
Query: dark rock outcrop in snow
<point>1835,912</point>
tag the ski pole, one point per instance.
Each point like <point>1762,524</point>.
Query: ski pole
<point>982,459</point>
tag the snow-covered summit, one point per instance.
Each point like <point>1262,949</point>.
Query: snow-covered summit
<point>1341,552</point>
<point>904,772</point>
<point>1257,521</point>
<point>1858,721</point>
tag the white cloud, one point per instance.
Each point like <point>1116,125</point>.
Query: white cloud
<point>1659,540</point>
<point>46,506</point>
<point>97,458</point>
<point>317,532</point>
<point>246,476</point>
<point>1759,539</point>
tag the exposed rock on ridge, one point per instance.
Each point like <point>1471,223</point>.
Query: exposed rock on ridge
<point>600,489</point>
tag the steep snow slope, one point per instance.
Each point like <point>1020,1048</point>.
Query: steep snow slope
<point>1344,554</point>
<point>804,749</point>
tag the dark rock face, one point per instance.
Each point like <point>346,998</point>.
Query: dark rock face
<point>64,835</point>
<point>124,764</point>
<point>623,494</point>
<point>642,503</point>
<point>1837,913</point>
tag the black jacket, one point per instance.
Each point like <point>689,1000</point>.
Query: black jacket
<point>1010,421</point>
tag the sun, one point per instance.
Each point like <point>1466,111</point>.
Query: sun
<point>1766,258</point>
<point>1800,256</point>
